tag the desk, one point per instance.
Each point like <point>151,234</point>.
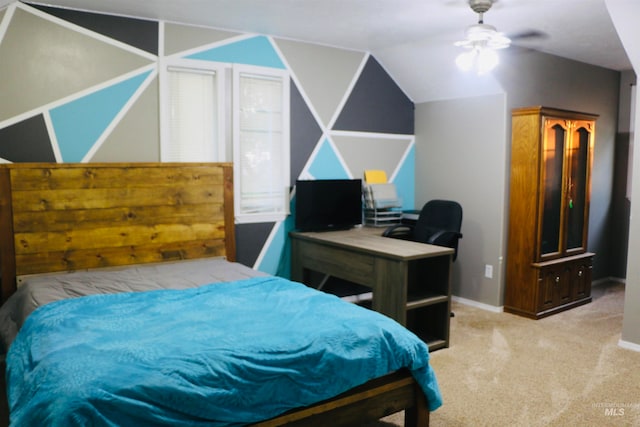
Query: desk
<point>410,282</point>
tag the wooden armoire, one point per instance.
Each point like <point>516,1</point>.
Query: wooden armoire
<point>548,266</point>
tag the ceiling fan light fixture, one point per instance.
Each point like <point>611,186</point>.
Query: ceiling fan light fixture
<point>479,59</point>
<point>481,42</point>
<point>465,60</point>
<point>484,34</point>
<point>488,33</point>
<point>487,60</point>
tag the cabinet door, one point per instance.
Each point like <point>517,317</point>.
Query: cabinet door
<point>548,281</point>
<point>555,287</point>
<point>581,278</point>
<point>563,289</point>
<point>552,185</point>
<point>579,159</point>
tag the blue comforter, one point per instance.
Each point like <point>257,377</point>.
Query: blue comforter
<point>222,354</point>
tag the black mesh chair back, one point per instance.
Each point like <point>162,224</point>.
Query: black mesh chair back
<point>439,223</point>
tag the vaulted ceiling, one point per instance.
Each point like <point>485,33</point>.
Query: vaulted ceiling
<point>400,32</point>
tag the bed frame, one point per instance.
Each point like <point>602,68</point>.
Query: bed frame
<point>64,217</point>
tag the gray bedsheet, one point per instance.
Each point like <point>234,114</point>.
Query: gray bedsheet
<point>36,290</point>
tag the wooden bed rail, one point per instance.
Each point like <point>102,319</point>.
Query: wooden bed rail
<point>377,398</point>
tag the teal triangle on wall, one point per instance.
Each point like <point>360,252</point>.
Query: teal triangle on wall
<point>271,260</point>
<point>253,51</point>
<point>405,180</point>
<point>277,260</point>
<point>327,164</point>
<point>79,124</point>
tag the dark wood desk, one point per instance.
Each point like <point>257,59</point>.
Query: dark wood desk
<point>410,282</point>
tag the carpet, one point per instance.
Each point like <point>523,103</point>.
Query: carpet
<point>564,370</point>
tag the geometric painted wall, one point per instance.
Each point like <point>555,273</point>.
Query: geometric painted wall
<point>77,82</point>
<point>83,87</point>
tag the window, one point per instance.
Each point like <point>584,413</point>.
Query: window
<point>261,148</point>
<point>194,114</point>
<point>239,113</point>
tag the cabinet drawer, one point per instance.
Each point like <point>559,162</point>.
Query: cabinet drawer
<point>347,265</point>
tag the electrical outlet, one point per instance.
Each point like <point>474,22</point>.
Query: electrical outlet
<point>488,271</point>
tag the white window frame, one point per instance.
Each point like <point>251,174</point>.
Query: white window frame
<point>229,141</point>
<point>281,206</point>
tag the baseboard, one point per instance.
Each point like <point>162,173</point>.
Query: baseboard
<point>608,280</point>
<point>500,309</point>
<point>367,296</point>
<point>629,345</point>
<point>483,306</point>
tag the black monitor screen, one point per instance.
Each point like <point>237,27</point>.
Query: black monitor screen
<point>328,204</point>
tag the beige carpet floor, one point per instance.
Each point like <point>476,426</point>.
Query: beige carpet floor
<point>564,370</point>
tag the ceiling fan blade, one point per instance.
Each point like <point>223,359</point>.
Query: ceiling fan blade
<point>526,35</point>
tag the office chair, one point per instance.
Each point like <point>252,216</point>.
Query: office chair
<point>439,224</point>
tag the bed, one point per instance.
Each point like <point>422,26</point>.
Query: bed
<point>129,249</point>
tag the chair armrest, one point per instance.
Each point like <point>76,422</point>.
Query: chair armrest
<point>398,231</point>
<point>444,238</point>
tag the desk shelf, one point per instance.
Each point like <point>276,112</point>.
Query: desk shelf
<point>433,343</point>
<point>426,299</point>
<point>431,323</point>
<point>428,307</point>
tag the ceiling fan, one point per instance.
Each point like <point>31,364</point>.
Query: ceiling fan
<point>481,33</point>
<point>481,41</point>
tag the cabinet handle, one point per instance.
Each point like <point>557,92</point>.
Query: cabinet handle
<point>557,279</point>
<point>580,273</point>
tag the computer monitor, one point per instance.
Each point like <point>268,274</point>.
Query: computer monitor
<point>328,204</point>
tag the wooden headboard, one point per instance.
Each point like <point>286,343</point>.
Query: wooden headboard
<point>64,217</point>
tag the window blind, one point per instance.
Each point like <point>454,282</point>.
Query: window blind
<point>193,116</point>
<point>262,165</point>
